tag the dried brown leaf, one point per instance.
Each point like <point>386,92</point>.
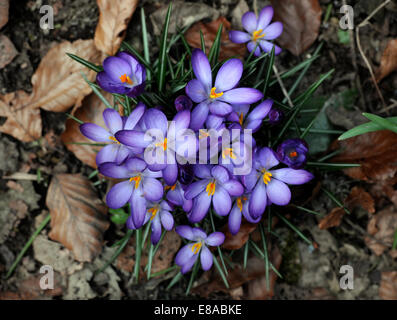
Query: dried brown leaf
<point>24,124</point>
<point>78,216</point>
<point>228,49</point>
<point>381,227</point>
<point>301,20</point>
<point>234,242</point>
<point>4,6</point>
<point>90,111</point>
<point>114,17</point>
<point>8,51</point>
<point>332,219</point>
<point>388,286</point>
<point>388,63</point>
<point>57,82</point>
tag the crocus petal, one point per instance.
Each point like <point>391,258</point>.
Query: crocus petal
<point>107,154</point>
<point>116,67</point>
<point>175,196</point>
<point>268,46</point>
<point>170,174</point>
<point>215,239</point>
<point>195,189</point>
<point>250,180</point>
<point>220,174</point>
<point>292,176</point>
<point>242,95</point>
<point>222,201</point>
<point>261,110</point>
<point>273,31</point>
<point>234,220</point>
<point>167,220</point>
<point>155,119</point>
<point>156,231</point>
<point>112,120</point>
<point>132,61</point>
<point>134,117</point>
<point>130,223</point>
<point>229,75</point>
<point>214,122</point>
<point>189,264</point>
<point>138,204</point>
<point>239,36</point>
<point>200,208</point>
<point>152,189</point>
<point>206,258</point>
<point>185,232</point>
<point>122,153</point>
<point>253,45</point>
<point>202,171</point>
<point>233,187</point>
<point>267,158</point>
<point>254,125</point>
<point>195,90</point>
<point>107,84</point>
<point>94,132</point>
<point>199,115</point>
<point>199,234</point>
<point>135,165</point>
<point>184,254</point>
<point>133,138</point>
<point>180,122</point>
<point>202,69</point>
<point>119,195</point>
<point>249,21</point>
<point>112,170</point>
<point>265,16</point>
<point>258,199</point>
<point>220,108</point>
<point>241,108</point>
<point>278,192</point>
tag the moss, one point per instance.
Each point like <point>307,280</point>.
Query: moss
<point>290,267</point>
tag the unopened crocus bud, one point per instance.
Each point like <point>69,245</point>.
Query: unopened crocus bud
<point>293,153</point>
<point>275,116</point>
<point>183,103</point>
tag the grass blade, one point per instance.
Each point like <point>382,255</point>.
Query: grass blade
<point>86,63</point>
<point>298,232</point>
<point>163,50</point>
<point>219,268</point>
<point>386,124</point>
<point>145,43</point>
<point>215,48</point>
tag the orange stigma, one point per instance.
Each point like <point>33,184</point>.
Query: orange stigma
<point>162,144</point>
<point>137,180</point>
<point>257,35</point>
<point>196,247</point>
<point>153,211</point>
<point>267,176</point>
<point>241,118</point>
<point>114,139</point>
<point>170,187</point>
<point>203,134</point>
<point>214,95</point>
<point>293,154</point>
<point>124,78</point>
<point>240,202</point>
<point>210,189</point>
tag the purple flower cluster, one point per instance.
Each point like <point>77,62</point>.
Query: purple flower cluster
<point>156,161</point>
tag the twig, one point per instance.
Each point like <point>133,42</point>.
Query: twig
<point>283,89</point>
<point>255,5</point>
<point>362,24</point>
<point>388,108</point>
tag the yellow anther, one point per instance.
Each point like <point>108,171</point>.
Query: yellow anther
<point>153,211</point>
<point>241,119</point>
<point>257,34</point>
<point>228,152</point>
<point>240,201</point>
<point>162,144</point>
<point>214,95</point>
<point>137,180</point>
<point>114,139</point>
<point>124,78</point>
<point>196,247</point>
<point>170,187</point>
<point>266,176</point>
<point>203,134</point>
<point>210,189</point>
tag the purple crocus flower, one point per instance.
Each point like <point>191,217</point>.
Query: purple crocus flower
<point>275,116</point>
<point>122,74</point>
<point>292,152</point>
<point>159,214</point>
<point>141,186</point>
<point>189,253</point>
<point>216,186</point>
<point>176,196</point>
<point>183,103</point>
<point>114,151</point>
<point>216,99</point>
<point>259,31</point>
<point>240,208</point>
<point>250,120</point>
<point>166,142</point>
<point>269,185</point>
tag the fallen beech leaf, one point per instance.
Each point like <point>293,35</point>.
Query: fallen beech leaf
<point>357,197</point>
<point>78,216</point>
<point>228,49</point>
<point>388,286</point>
<point>25,124</point>
<point>382,227</point>
<point>114,17</point>
<point>4,6</point>
<point>8,51</point>
<point>57,82</point>
<point>388,63</point>
<point>301,20</point>
<point>234,242</point>
<point>90,111</point>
